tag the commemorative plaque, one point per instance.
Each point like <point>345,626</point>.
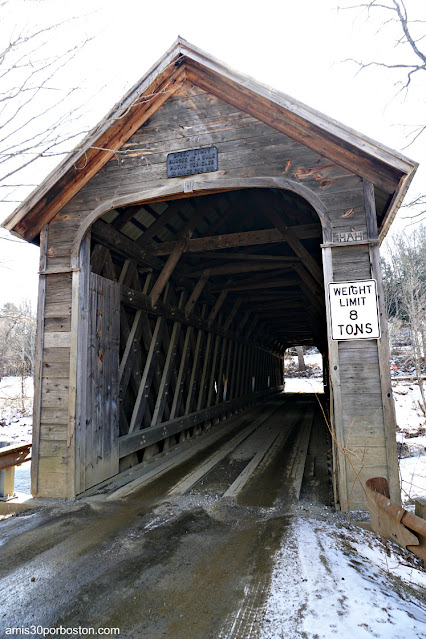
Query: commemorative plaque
<point>192,162</point>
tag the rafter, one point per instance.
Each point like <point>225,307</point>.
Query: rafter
<point>247,238</point>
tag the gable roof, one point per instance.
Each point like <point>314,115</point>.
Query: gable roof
<point>388,170</point>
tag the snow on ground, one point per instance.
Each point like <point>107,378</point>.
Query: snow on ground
<point>412,439</point>
<point>340,581</point>
<point>16,405</point>
<point>303,385</point>
<point>409,416</point>
<point>309,381</point>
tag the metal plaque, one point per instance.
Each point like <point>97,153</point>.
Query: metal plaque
<point>192,162</point>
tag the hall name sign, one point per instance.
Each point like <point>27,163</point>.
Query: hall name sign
<point>192,162</point>
<point>354,310</point>
<point>349,236</point>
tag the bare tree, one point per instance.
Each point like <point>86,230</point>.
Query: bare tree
<point>17,339</point>
<point>408,266</point>
<point>404,55</point>
<point>38,116</point>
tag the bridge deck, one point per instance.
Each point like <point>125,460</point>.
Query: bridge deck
<point>175,556</point>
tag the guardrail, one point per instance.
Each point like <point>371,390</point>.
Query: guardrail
<point>393,521</point>
<point>10,456</point>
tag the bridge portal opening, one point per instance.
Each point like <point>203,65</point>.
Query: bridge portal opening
<point>303,370</point>
<point>212,291</point>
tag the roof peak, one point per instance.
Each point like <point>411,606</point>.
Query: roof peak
<point>384,167</point>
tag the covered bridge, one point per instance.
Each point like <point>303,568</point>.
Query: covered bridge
<point>184,245</point>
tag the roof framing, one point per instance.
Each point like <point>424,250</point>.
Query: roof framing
<point>385,168</point>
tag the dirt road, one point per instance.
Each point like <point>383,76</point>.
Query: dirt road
<point>160,563</point>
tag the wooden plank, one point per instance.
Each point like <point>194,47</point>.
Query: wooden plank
<point>194,372</point>
<point>233,313</point>
<point>147,376</point>
<point>107,234</point>
<point>253,285</point>
<point>248,257</point>
<point>130,352</point>
<point>167,371</point>
<point>389,416</point>
<point>296,245</point>
<point>198,288</point>
<point>98,258</point>
<point>102,416</point>
<point>244,267</point>
<point>273,435</point>
<point>38,363</point>
<point>148,436</point>
<point>60,339</point>
<point>78,361</point>
<point>159,223</point>
<point>204,375</point>
<point>216,308</point>
<point>213,460</point>
<point>211,383</point>
<point>138,300</point>
<point>236,368</point>
<point>177,397</point>
<point>292,125</point>
<point>175,255</point>
<point>226,383</point>
<point>246,238</point>
<point>220,376</point>
<point>339,465</point>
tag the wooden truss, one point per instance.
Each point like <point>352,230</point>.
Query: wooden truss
<point>206,310</point>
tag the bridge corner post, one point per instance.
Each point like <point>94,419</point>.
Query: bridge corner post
<point>78,364</point>
<point>389,416</point>
<point>38,361</point>
<point>339,478</point>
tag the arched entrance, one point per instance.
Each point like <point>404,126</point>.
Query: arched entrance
<point>191,301</point>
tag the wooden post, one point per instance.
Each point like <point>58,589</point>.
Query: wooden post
<point>383,349</point>
<point>167,370</point>
<point>213,371</point>
<point>204,375</point>
<point>194,371</point>
<point>220,385</point>
<point>38,360</point>
<point>339,461</point>
<point>175,256</point>
<point>198,288</point>
<point>77,404</point>
<point>177,397</point>
<point>148,373</point>
<point>216,308</point>
<point>232,314</point>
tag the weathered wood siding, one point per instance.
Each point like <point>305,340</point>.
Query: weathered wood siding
<point>193,118</point>
<point>100,436</point>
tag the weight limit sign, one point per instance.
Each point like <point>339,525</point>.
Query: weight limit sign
<point>353,310</point>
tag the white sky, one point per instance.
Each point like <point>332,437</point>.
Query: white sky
<point>298,48</point>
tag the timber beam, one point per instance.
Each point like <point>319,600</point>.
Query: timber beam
<point>148,436</point>
<point>246,238</point>
<point>105,234</point>
<point>140,301</point>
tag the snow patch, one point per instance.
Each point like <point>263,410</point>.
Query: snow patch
<point>331,582</point>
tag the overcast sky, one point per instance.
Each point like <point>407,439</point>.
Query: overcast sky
<point>300,48</point>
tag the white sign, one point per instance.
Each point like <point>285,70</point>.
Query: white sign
<point>353,310</point>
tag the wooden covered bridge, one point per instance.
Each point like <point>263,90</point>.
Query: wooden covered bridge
<point>185,244</point>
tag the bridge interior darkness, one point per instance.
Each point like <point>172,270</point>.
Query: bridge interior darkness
<point>213,288</point>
